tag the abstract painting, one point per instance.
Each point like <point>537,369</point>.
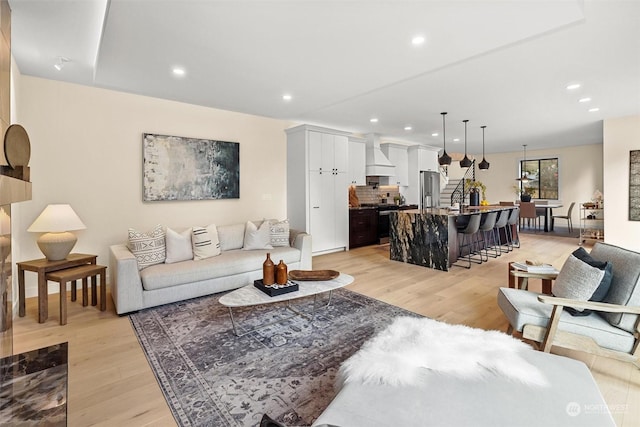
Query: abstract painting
<point>634,185</point>
<point>178,168</point>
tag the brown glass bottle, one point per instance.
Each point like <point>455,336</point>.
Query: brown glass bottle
<point>268,271</point>
<point>281,273</point>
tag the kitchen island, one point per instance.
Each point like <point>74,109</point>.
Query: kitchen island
<point>429,237</point>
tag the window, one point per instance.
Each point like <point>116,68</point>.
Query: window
<point>543,178</point>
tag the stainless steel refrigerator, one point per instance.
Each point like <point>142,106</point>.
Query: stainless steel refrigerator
<point>429,189</point>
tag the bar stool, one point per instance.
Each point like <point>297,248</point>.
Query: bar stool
<point>512,224</point>
<point>486,227</point>
<point>501,222</point>
<point>468,232</point>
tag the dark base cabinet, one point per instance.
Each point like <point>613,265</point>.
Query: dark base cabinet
<point>363,227</point>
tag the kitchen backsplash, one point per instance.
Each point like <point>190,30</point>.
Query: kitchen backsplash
<point>377,194</point>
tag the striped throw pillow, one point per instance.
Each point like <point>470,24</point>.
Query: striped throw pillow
<point>205,242</point>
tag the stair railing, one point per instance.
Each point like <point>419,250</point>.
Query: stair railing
<point>460,192</point>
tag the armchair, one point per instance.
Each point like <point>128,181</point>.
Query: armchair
<point>612,330</point>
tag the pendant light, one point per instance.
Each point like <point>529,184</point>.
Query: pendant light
<point>483,164</point>
<point>524,179</point>
<point>466,162</point>
<point>445,159</point>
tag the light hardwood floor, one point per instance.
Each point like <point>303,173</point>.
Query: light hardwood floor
<point>110,382</point>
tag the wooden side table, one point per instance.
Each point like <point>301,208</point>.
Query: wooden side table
<point>73,275</point>
<point>523,277</point>
<point>43,266</point>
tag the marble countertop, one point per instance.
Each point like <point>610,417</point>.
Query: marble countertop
<point>464,211</point>
<point>34,387</point>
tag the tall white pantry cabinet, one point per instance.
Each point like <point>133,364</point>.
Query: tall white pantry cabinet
<point>318,185</point>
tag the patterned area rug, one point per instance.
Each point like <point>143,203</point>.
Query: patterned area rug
<point>210,377</point>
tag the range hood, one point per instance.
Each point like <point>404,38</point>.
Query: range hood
<point>377,163</point>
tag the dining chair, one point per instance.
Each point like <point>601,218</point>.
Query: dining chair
<point>528,212</point>
<point>567,217</point>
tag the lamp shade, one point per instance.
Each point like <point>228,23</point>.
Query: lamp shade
<point>56,219</point>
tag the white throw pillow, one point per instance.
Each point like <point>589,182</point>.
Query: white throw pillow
<point>148,247</point>
<point>279,232</point>
<point>205,242</point>
<point>178,246</point>
<point>231,236</point>
<point>257,238</point>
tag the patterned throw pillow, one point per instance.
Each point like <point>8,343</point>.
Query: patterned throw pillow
<point>279,232</point>
<point>205,242</point>
<point>148,247</point>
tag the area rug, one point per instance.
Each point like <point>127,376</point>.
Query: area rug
<point>558,231</point>
<point>210,377</point>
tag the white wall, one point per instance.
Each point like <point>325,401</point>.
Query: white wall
<point>621,135</point>
<point>86,150</point>
<point>580,173</point>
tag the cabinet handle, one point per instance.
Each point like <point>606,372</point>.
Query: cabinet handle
<point>316,207</point>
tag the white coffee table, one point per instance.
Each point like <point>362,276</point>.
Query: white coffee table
<point>250,295</point>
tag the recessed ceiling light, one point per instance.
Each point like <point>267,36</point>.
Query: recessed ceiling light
<point>434,134</point>
<point>456,139</point>
<point>286,97</point>
<point>593,110</point>
<point>587,99</point>
<point>59,65</point>
<point>417,40</point>
<point>178,71</point>
<point>408,128</point>
<point>373,120</point>
<point>573,86</point>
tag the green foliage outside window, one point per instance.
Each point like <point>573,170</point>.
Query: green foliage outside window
<point>543,178</point>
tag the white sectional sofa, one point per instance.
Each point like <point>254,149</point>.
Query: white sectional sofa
<point>133,289</point>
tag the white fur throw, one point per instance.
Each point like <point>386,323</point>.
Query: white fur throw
<point>411,347</point>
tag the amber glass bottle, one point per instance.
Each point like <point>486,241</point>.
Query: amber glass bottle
<point>268,271</point>
<point>281,273</point>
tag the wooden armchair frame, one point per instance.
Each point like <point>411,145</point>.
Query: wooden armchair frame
<point>551,335</point>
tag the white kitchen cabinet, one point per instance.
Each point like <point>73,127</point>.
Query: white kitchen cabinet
<point>317,185</point>
<point>397,155</point>
<point>357,162</point>
<point>420,158</point>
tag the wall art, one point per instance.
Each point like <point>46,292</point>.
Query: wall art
<point>179,168</point>
<point>634,185</point>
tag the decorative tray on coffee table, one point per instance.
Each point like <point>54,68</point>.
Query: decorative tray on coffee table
<point>313,275</point>
<point>275,290</point>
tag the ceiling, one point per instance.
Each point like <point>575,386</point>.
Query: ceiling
<point>502,64</point>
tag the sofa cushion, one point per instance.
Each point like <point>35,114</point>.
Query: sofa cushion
<point>625,282</point>
<point>205,242</point>
<point>227,263</point>
<point>231,236</point>
<point>178,246</point>
<point>149,247</point>
<point>257,237</point>
<point>523,308</point>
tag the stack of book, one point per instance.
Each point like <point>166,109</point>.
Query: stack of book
<point>535,268</point>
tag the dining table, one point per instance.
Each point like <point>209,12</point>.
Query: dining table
<point>548,213</point>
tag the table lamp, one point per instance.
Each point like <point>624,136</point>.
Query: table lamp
<point>56,221</point>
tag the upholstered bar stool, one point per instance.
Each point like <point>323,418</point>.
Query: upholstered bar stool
<point>486,228</point>
<point>501,222</point>
<point>512,224</point>
<point>468,234</point>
